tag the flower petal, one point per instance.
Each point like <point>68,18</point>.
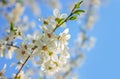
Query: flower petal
<point>63,15</point>
<point>56,13</point>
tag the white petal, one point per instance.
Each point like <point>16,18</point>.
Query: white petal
<point>63,25</point>
<point>4,67</point>
<point>44,28</point>
<point>68,37</point>
<point>55,58</point>
<point>56,13</point>
<point>66,31</point>
<point>63,15</point>
<point>67,55</point>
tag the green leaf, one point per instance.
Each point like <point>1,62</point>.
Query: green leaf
<point>78,12</point>
<point>60,21</point>
<point>12,27</point>
<point>72,18</point>
<point>78,4</point>
<point>4,1</point>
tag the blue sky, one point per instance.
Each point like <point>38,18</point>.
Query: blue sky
<point>103,61</point>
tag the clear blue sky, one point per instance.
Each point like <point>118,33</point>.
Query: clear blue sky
<point>103,61</point>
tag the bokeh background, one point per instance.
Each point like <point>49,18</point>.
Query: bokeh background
<point>103,61</point>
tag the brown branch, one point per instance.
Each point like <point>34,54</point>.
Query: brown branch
<point>23,65</point>
<point>12,45</point>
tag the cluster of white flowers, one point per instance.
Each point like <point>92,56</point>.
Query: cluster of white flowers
<point>49,47</point>
<point>83,41</point>
<point>8,44</point>
<point>52,50</point>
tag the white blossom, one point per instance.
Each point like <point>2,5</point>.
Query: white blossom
<point>2,72</point>
<point>10,52</point>
<point>57,15</point>
<point>14,16</point>
<point>64,37</point>
<point>23,52</point>
<point>52,57</point>
<point>2,49</point>
<point>22,75</point>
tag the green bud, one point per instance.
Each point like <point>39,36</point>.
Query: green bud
<point>78,4</point>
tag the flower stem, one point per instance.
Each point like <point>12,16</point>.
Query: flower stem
<point>58,25</point>
<point>22,66</point>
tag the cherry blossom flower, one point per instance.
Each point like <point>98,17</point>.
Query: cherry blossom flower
<point>23,52</point>
<point>63,38</point>
<point>2,49</point>
<point>10,53</point>
<point>2,72</point>
<point>22,75</point>
<point>15,14</point>
<point>58,16</point>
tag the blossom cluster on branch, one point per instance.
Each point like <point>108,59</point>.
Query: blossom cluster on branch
<point>47,51</point>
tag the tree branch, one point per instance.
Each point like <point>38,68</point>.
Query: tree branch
<point>23,66</point>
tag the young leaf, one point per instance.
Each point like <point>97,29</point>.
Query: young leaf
<point>12,27</point>
<point>78,4</point>
<point>72,18</point>
<point>78,12</point>
<point>60,21</point>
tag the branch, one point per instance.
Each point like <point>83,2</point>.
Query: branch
<point>71,17</point>
<point>12,45</point>
<point>23,65</point>
<point>58,25</point>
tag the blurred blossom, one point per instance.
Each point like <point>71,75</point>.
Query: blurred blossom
<point>53,3</point>
<point>15,14</point>
<point>2,72</point>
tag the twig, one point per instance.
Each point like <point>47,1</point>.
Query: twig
<point>12,45</point>
<point>23,65</point>
<point>58,25</point>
